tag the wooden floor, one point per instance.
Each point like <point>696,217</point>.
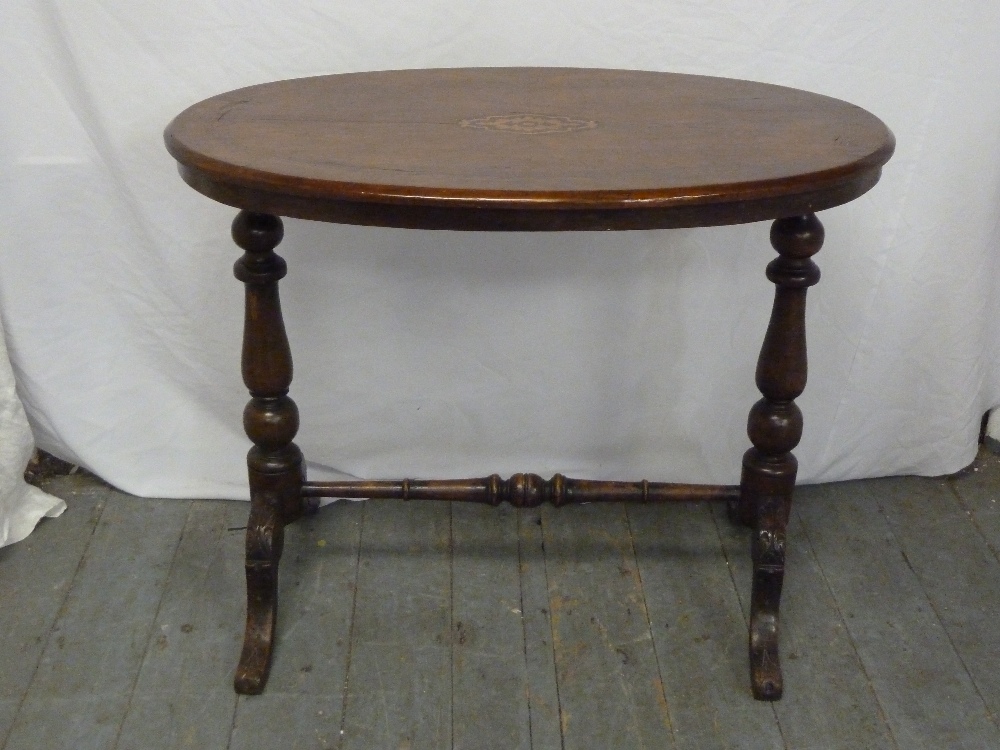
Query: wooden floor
<point>429,625</point>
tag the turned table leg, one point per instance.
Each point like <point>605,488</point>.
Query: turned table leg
<point>775,427</point>
<point>271,420</point>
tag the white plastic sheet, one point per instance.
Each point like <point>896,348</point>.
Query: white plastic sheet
<point>616,355</point>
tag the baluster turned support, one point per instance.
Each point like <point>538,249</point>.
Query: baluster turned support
<point>271,420</point>
<point>774,428</point>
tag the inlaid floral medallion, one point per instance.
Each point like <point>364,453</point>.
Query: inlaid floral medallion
<point>528,124</point>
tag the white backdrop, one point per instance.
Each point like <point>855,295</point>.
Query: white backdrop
<point>618,355</point>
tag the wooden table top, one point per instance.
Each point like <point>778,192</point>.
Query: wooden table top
<point>528,149</point>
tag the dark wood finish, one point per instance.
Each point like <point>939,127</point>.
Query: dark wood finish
<point>522,490</point>
<point>607,149</point>
<point>526,149</point>
<point>538,219</point>
<point>271,420</point>
<point>774,428</point>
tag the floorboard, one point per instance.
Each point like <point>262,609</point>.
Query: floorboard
<point>957,570</point>
<point>35,577</point>
<point>539,657</point>
<point>489,671</point>
<point>829,703</point>
<point>399,683</point>
<point>303,705</point>
<point>929,699</point>
<point>978,493</point>
<point>427,625</point>
<point>182,698</point>
<point>610,688</point>
<point>81,690</point>
<point>699,631</point>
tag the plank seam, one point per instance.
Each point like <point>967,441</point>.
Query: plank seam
<point>152,625</point>
<point>524,624</point>
<point>649,624</point>
<point>451,616</point>
<point>350,628</point>
<point>847,631</point>
<point>934,609</point>
<point>743,613</point>
<point>972,514</point>
<point>552,632</point>
<point>101,504</point>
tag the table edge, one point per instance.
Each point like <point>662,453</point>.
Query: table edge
<point>551,215</point>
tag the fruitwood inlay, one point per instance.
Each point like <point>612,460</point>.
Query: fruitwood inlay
<point>381,148</point>
<point>635,150</point>
<point>528,124</point>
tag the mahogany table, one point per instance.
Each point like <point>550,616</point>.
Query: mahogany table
<point>526,149</point>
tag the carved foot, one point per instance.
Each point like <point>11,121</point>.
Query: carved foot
<point>258,641</point>
<point>265,535</point>
<point>768,575</point>
<point>765,666</point>
<point>768,556</point>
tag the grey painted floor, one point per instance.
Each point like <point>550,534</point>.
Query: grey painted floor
<point>425,625</point>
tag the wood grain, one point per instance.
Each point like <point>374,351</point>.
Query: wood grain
<point>830,695</point>
<point>698,629</point>
<point>525,149</point>
<point>611,692</point>
<point>487,634</point>
<point>399,691</point>
<point>103,628</point>
<point>36,577</point>
<point>181,698</point>
<point>927,694</point>
<point>878,653</point>
<point>395,148</point>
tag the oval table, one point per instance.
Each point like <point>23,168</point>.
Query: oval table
<point>525,149</point>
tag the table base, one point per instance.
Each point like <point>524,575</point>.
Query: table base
<point>280,494</point>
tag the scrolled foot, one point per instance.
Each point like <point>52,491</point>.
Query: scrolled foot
<point>265,539</point>
<point>258,640</point>
<point>765,666</point>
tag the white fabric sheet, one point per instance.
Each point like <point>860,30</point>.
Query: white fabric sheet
<point>614,355</point>
<point>21,505</point>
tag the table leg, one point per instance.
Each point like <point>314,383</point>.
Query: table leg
<point>271,420</point>
<point>775,427</point>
